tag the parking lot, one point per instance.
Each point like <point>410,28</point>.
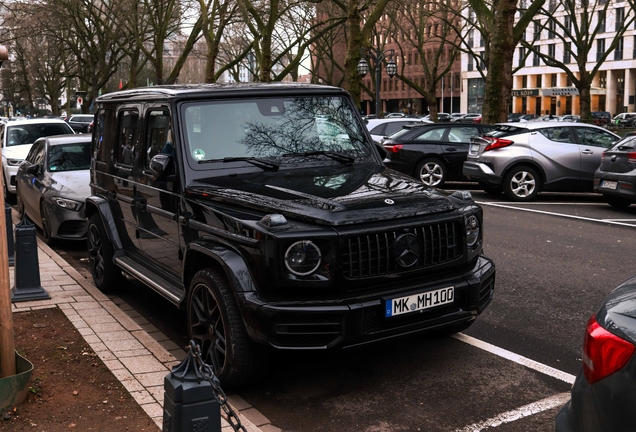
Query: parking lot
<point>556,258</point>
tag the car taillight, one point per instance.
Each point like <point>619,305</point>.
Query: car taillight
<point>603,352</point>
<point>496,143</point>
<point>631,157</point>
<point>393,148</point>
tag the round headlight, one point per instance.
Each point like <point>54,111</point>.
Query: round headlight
<point>472,230</point>
<point>303,258</point>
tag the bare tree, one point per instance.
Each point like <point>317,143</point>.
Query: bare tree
<point>577,24</point>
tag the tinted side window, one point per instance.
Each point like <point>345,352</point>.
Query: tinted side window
<point>128,141</point>
<point>595,137</point>
<point>557,134</point>
<point>393,127</point>
<point>158,135</point>
<point>462,134</point>
<point>378,130</point>
<point>102,132</point>
<point>33,153</point>
<point>431,135</point>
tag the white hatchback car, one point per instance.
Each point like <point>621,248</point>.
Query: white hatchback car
<point>379,128</point>
<point>17,137</point>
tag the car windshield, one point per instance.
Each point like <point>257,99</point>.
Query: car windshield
<point>272,128</point>
<point>29,133</point>
<point>70,157</point>
<point>81,119</point>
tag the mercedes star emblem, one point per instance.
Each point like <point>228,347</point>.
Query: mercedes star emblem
<point>406,250</point>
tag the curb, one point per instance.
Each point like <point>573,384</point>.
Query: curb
<point>135,357</point>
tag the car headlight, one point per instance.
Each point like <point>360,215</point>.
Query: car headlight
<point>68,204</point>
<point>303,258</point>
<point>14,162</point>
<point>472,230</point>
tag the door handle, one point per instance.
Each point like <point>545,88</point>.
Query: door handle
<point>587,151</point>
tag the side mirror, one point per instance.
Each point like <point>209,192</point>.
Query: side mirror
<point>161,165</point>
<point>34,169</point>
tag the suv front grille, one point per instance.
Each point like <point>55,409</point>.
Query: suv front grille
<point>373,255</point>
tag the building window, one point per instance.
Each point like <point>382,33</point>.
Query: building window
<point>538,81</point>
<point>600,49</point>
<point>567,24</point>
<point>536,58</point>
<point>601,21</point>
<point>620,18</point>
<point>553,80</point>
<point>537,30</point>
<point>567,52</point>
<point>470,63</point>
<point>551,28</point>
<point>471,39</point>
<point>552,51</point>
<point>522,56</point>
<point>524,81</point>
<point>618,52</point>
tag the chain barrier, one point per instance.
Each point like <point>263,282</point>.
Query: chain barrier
<point>208,373</point>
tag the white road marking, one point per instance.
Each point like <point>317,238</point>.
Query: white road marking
<point>519,413</point>
<point>607,221</point>
<point>620,220</point>
<point>539,367</point>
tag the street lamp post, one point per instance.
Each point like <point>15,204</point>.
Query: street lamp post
<point>378,56</point>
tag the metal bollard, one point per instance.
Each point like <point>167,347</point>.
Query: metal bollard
<point>27,268</point>
<point>9,223</point>
<point>189,404</point>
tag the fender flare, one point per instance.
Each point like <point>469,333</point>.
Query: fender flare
<point>100,206</point>
<point>231,262</point>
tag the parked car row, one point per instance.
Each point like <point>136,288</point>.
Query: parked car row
<point>45,168</point>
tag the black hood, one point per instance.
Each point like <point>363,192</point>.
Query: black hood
<point>327,195</point>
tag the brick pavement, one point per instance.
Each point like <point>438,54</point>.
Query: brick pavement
<point>134,350</point>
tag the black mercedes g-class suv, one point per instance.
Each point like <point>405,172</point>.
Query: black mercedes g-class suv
<point>264,210</point>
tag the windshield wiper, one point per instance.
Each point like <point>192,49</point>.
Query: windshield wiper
<point>261,163</point>
<point>342,158</point>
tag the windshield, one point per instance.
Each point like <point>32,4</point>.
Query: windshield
<point>272,128</point>
<point>29,133</point>
<point>70,157</point>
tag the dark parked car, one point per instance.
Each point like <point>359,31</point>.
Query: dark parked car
<point>615,178</point>
<point>53,183</point>
<point>432,153</point>
<point>604,393</point>
<point>80,122</point>
<point>601,118</point>
<point>264,210</point>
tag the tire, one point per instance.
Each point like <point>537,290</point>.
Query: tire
<point>46,225</point>
<point>9,197</point>
<point>522,183</point>
<point>619,203</point>
<point>432,172</point>
<point>106,275</point>
<point>492,190</point>
<point>216,325</point>
<point>21,210</point>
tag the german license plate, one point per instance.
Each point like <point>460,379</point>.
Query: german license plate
<point>474,148</point>
<point>609,184</point>
<point>418,302</point>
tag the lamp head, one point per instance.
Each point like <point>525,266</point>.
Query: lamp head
<point>363,67</point>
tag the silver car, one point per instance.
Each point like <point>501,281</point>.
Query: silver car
<point>523,159</point>
<point>53,183</point>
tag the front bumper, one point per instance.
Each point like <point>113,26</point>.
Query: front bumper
<point>67,224</point>
<point>9,175</point>
<point>480,172</point>
<point>356,321</point>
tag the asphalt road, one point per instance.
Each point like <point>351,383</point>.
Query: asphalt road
<point>556,258</point>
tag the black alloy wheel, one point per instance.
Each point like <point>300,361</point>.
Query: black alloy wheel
<point>46,225</point>
<point>216,325</point>
<point>106,275</point>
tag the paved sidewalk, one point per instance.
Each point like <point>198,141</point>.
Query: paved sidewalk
<point>120,337</point>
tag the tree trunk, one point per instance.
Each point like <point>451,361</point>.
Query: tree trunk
<point>498,85</point>
<point>585,99</point>
<point>354,43</point>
